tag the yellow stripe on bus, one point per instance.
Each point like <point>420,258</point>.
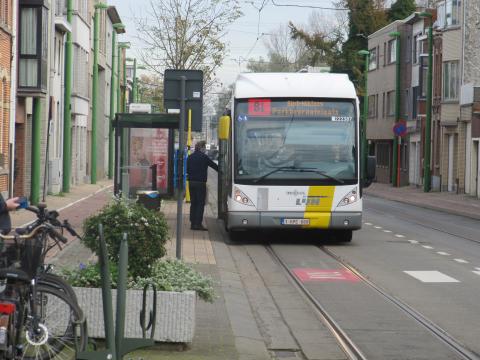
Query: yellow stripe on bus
<point>319,206</point>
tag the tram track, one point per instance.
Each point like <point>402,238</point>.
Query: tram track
<point>345,342</point>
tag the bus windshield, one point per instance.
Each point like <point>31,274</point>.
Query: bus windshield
<point>295,139</point>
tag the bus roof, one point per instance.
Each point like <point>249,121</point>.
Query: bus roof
<point>291,85</point>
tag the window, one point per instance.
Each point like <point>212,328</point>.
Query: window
<point>372,65</point>
<point>33,52</point>
<point>392,51</point>
<point>82,9</point>
<point>103,31</point>
<point>4,12</point>
<point>450,80</point>
<point>406,102</point>
<point>383,154</point>
<point>423,76</point>
<point>372,106</point>
<point>448,13</point>
<point>384,106</point>
<point>391,103</point>
<point>414,102</point>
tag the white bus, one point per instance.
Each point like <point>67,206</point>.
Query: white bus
<point>290,154</point>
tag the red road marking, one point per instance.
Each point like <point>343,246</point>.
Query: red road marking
<point>325,275</point>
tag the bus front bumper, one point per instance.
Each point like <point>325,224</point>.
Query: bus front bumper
<point>272,220</point>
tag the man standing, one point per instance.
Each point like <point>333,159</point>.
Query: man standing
<point>197,167</point>
<point>5,207</point>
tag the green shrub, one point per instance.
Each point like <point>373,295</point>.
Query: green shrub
<point>147,233</point>
<point>175,275</point>
<point>89,275</point>
<point>166,275</point>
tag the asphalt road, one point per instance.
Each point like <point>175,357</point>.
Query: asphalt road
<point>427,259</point>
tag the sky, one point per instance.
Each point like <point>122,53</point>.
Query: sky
<point>245,37</point>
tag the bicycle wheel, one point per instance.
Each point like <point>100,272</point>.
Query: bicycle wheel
<point>57,282</point>
<point>62,328</point>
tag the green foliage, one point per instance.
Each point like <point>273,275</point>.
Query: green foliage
<point>166,275</point>
<point>146,230</point>
<point>401,9</point>
<point>175,275</point>
<point>89,275</point>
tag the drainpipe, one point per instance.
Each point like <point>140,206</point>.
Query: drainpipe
<point>13,98</point>
<point>428,122</point>
<point>36,149</point>
<point>113,97</point>
<point>396,140</point>
<point>67,105</point>
<point>96,31</point>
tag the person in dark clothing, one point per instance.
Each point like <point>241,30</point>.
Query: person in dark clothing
<point>197,167</point>
<point>5,207</point>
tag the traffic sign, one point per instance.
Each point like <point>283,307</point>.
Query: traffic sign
<point>400,128</point>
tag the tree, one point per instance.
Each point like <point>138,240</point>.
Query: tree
<point>364,18</point>
<point>186,34</point>
<point>284,53</point>
<point>150,90</point>
<point>401,9</point>
<point>223,100</point>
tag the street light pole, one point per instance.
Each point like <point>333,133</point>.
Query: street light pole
<point>363,127</point>
<point>428,120</point>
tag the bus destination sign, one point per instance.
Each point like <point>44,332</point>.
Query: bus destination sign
<point>300,108</point>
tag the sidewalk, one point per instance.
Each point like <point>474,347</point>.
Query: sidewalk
<point>451,203</point>
<point>217,336</point>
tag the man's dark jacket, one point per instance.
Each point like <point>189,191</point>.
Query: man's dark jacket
<point>197,166</point>
<point>5,222</point>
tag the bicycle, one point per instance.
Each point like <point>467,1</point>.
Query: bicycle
<point>39,314</point>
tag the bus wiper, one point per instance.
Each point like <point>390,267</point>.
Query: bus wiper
<point>339,181</point>
<point>281,168</point>
<point>298,169</point>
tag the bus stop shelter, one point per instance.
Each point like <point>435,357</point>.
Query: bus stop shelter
<point>144,153</point>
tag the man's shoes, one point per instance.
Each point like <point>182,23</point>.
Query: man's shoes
<point>201,227</point>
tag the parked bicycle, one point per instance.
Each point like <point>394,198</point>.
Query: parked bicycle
<point>39,314</point>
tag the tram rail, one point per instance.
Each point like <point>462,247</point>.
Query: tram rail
<point>345,342</point>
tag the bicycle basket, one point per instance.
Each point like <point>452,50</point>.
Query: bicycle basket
<point>26,254</point>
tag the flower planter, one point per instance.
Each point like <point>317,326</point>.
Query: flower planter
<point>175,321</point>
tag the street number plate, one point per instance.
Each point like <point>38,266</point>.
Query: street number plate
<point>295,221</point>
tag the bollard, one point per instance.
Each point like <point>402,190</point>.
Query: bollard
<point>116,343</point>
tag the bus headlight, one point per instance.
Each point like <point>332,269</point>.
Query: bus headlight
<point>350,198</point>
<point>241,198</point>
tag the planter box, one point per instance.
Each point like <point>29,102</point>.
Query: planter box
<point>175,320</point>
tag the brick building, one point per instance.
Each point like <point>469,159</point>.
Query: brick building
<point>5,91</point>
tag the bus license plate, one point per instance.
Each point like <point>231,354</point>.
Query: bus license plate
<point>295,222</point>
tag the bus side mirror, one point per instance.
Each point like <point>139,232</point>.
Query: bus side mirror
<point>371,169</point>
<point>224,128</point>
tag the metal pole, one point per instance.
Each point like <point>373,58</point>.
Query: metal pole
<point>428,123</point>
<point>134,81</point>
<point>364,152</point>
<point>121,294</point>
<point>119,85</point>
<point>67,108</point>
<point>124,95</point>
<point>181,151</point>
<point>36,148</point>
<point>106,295</point>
